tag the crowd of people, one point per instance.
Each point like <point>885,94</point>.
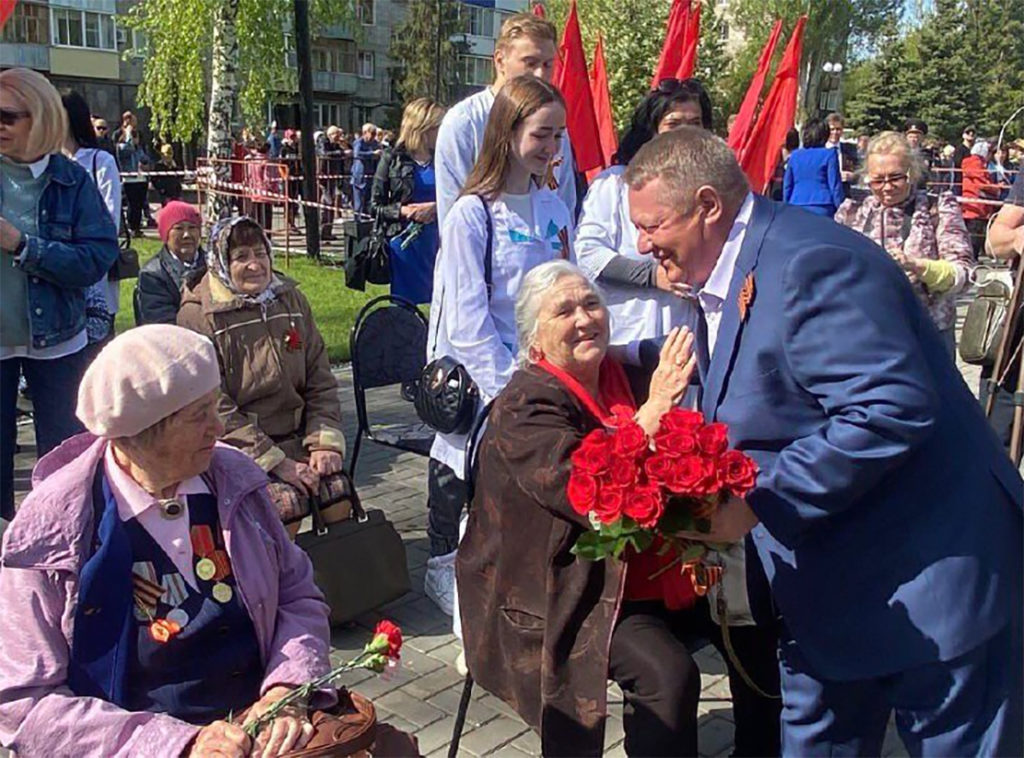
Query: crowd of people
<point>875,569</point>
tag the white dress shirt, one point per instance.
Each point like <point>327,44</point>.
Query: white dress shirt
<point>458,145</point>
<point>716,289</point>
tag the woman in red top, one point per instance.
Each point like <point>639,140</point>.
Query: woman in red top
<point>543,629</point>
<point>978,183</point>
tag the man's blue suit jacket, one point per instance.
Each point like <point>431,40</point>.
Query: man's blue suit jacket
<point>891,520</point>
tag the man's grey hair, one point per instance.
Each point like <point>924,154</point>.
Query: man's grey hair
<point>536,284</point>
<point>687,159</point>
<point>369,126</point>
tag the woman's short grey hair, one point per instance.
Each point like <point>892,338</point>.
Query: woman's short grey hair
<point>530,299</point>
<point>687,159</point>
<point>894,143</point>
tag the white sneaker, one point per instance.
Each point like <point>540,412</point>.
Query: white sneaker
<point>439,581</point>
<point>460,663</point>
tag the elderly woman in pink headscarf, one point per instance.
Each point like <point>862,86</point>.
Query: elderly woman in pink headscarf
<point>148,588</point>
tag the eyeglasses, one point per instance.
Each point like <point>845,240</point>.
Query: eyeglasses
<point>10,117</point>
<point>245,257</point>
<point>878,182</point>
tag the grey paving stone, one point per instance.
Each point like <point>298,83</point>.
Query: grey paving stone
<point>411,708</point>
<point>492,735</point>
<point>714,735</point>
<point>429,685</point>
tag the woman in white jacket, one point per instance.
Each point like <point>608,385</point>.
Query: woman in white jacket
<point>507,212</point>
<point>642,302</point>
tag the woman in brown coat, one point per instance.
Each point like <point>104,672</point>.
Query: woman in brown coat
<point>544,630</point>
<point>279,400</point>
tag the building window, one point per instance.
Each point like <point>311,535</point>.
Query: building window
<point>74,28</point>
<point>27,25</point>
<point>327,114</point>
<point>723,31</point>
<point>336,59</point>
<point>365,65</point>
<point>476,70</point>
<point>365,12</point>
<point>476,21</point>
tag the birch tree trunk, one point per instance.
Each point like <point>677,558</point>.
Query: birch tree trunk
<point>223,102</point>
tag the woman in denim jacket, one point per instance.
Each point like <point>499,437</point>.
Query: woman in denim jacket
<point>56,239</point>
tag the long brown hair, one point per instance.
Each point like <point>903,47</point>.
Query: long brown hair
<point>519,99</point>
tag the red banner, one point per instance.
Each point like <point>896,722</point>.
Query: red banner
<point>675,39</point>
<point>740,130</point>
<point>574,82</point>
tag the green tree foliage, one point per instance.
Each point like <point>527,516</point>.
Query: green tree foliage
<point>414,48</point>
<point>713,61</point>
<point>177,72</point>
<point>963,65</point>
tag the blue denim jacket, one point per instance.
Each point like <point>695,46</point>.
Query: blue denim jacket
<point>75,247</point>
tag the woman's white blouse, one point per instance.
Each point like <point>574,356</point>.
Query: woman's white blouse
<point>606,230</point>
<point>478,331</point>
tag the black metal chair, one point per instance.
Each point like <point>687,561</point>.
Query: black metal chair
<point>388,346</point>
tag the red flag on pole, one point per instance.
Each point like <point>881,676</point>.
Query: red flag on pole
<point>574,82</point>
<point>675,39</point>
<point>603,103</point>
<point>6,9</point>
<point>538,10</point>
<point>745,117</point>
<point>777,115</point>
<point>688,63</point>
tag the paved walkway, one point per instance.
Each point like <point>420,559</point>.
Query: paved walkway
<point>423,695</point>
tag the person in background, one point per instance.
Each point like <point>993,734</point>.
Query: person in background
<point>847,152</point>
<point>505,210</point>
<point>278,398</point>
<point>273,142</point>
<point>527,45</point>
<point>1001,169</point>
<point>167,186</point>
<point>56,239</point>
<point>207,608</point>
<point>862,148</point>
<point>404,197</point>
<point>979,184</point>
<point>915,130</point>
<point>365,153</point>
<point>778,178</point>
<point>927,238</point>
<point>157,295</point>
<point>132,160</point>
<point>1006,242</point>
<point>330,155</point>
<point>812,179</point>
<point>103,298</point>
<point>103,140</point>
<point>960,153</point>
<point>290,156</point>
<point>642,302</point>
<point>549,627</point>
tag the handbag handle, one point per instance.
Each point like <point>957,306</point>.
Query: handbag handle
<point>315,506</point>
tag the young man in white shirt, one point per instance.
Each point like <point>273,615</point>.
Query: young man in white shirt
<point>527,45</point>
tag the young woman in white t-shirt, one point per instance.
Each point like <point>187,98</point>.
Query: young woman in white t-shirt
<point>505,207</point>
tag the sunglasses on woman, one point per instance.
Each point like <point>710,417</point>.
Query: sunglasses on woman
<point>9,117</point>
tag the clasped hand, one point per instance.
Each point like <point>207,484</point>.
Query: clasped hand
<point>289,731</point>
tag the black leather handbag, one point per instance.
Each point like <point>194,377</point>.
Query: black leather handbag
<point>371,261</point>
<point>446,398</point>
<point>359,563</point>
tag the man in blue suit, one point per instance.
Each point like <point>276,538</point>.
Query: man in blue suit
<point>886,516</point>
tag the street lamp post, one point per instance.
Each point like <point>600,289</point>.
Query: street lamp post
<point>833,71</point>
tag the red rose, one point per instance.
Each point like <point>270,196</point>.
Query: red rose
<point>582,492</point>
<point>713,439</point>
<point>623,473</point>
<point>659,467</point>
<point>389,633</point>
<point>594,455</point>
<point>676,442</point>
<point>608,507</point>
<point>689,475</point>
<point>738,472</point>
<point>644,505</point>
<point>630,440</point>
<point>679,419</point>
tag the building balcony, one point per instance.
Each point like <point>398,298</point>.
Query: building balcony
<point>368,37</point>
<point>15,55</point>
<point>341,84</point>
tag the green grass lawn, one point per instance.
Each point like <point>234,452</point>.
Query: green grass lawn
<point>334,305</point>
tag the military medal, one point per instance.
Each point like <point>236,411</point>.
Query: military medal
<point>205,569</point>
<point>222,593</point>
<point>179,617</point>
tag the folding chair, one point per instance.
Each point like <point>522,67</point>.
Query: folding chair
<point>388,346</point>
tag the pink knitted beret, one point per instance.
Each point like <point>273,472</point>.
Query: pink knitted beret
<point>174,212</point>
<point>143,376</point>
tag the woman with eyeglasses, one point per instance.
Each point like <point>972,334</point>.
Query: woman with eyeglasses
<point>279,400</point>
<point>926,236</point>
<point>56,239</point>
<point>642,302</point>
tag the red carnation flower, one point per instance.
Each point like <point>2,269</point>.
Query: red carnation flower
<point>645,506</point>
<point>582,492</point>
<point>630,440</point>
<point>738,472</point>
<point>713,439</point>
<point>594,455</point>
<point>387,639</point>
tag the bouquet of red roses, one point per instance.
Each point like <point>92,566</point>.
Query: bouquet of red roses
<point>635,490</point>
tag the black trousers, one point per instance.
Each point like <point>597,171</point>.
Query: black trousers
<point>135,195</point>
<point>446,497</point>
<point>661,682</point>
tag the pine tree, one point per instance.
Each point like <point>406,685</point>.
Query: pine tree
<point>414,47</point>
<point>875,99</point>
<point>713,60</point>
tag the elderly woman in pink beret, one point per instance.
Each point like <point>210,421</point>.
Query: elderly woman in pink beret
<point>148,588</point>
